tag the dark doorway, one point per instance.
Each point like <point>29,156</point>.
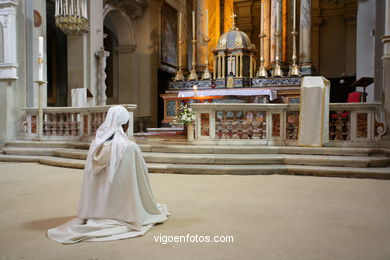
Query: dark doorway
<point>57,61</point>
<point>340,88</point>
<point>163,85</point>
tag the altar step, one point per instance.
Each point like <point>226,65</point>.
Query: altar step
<point>220,159</point>
<point>325,171</point>
<point>192,159</point>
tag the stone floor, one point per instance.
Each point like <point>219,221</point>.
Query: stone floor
<point>270,217</point>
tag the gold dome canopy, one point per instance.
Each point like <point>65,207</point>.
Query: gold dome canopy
<point>234,39</point>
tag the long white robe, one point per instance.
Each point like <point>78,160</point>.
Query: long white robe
<point>108,211</point>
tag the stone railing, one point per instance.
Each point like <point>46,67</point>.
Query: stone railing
<point>278,124</point>
<point>68,123</point>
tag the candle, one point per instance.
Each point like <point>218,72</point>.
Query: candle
<point>277,16</point>
<point>78,8</point>
<point>294,14</point>
<point>86,9</point>
<point>207,23</point>
<point>40,58</point>
<point>179,26</point>
<point>56,8</point>
<point>193,25</point>
<point>262,18</point>
<point>82,9</point>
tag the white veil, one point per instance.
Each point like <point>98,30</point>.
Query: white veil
<point>112,125</point>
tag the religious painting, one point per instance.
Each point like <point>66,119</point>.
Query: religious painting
<point>168,36</point>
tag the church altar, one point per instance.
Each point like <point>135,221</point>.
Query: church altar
<point>232,76</point>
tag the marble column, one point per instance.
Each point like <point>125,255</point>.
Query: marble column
<point>201,6</point>
<point>386,75</point>
<point>305,37</point>
<point>276,26</point>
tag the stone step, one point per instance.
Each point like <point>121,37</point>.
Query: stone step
<point>48,144</point>
<point>325,171</point>
<point>47,160</point>
<point>72,153</point>
<point>264,159</point>
<point>220,149</point>
<point>219,159</point>
<point>19,150</point>
<point>232,149</point>
<point>377,173</point>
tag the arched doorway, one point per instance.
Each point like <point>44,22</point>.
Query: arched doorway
<point>122,76</point>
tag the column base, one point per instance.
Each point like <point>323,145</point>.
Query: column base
<point>385,142</point>
<point>307,70</point>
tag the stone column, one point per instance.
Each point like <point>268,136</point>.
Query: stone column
<point>276,14</point>
<point>305,37</point>
<point>251,67</point>
<point>241,65</point>
<point>201,6</point>
<point>223,65</point>
<point>386,74</point>
<point>214,67</point>
<point>102,55</point>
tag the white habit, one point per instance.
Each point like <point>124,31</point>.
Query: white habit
<point>116,198</point>
<point>314,112</point>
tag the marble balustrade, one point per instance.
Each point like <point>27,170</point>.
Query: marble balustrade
<point>350,124</point>
<point>68,123</point>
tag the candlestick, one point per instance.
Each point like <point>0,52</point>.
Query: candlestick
<point>40,58</point>
<point>294,68</point>
<point>206,73</point>
<point>193,75</point>
<point>179,73</point>
<point>262,72</point>
<point>277,71</point>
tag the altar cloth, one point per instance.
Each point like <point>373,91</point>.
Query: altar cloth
<point>230,92</point>
<point>314,112</point>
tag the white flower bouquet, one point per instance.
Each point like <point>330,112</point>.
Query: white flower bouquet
<point>186,115</point>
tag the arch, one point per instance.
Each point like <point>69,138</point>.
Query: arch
<point>123,25</point>
<point>120,33</point>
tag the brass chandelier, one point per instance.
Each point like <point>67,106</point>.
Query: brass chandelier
<point>71,16</point>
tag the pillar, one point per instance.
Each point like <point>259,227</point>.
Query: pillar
<point>201,6</point>
<point>386,74</point>
<point>305,37</point>
<point>214,67</point>
<point>223,65</point>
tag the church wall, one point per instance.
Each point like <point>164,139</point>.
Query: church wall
<point>147,60</point>
<point>332,48</point>
<point>365,46</point>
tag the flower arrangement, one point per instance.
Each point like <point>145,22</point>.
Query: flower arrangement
<point>186,115</point>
